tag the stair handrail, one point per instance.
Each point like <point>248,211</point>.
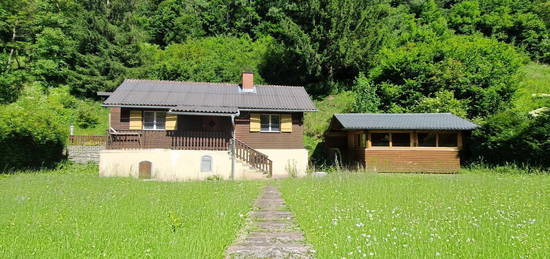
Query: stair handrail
<point>253,157</point>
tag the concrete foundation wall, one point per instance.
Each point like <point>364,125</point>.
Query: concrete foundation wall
<point>287,160</point>
<point>180,165</point>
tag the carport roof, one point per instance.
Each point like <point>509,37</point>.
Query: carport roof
<point>403,121</point>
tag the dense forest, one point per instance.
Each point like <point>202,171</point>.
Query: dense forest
<point>465,57</point>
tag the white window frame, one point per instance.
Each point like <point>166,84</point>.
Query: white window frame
<point>155,120</point>
<point>270,124</point>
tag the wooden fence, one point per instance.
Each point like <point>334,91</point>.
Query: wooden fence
<point>83,140</point>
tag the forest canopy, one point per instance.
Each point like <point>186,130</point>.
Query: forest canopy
<point>457,56</point>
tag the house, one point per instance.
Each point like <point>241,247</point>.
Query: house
<point>171,130</point>
<point>408,142</point>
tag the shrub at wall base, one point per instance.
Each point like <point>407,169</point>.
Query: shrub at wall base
<point>31,135</point>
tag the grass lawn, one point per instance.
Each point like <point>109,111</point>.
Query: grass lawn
<point>74,213</point>
<point>395,215</point>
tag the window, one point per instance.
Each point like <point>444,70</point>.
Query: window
<point>206,164</point>
<point>447,140</point>
<point>426,139</point>
<point>270,123</point>
<point>154,120</point>
<point>380,139</point>
<point>401,140</point>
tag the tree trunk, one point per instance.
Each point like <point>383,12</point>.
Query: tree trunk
<point>12,49</point>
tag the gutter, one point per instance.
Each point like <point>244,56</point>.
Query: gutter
<point>205,113</point>
<point>197,113</point>
<point>276,110</point>
<point>138,106</point>
<point>233,144</point>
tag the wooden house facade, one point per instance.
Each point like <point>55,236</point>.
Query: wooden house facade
<point>194,130</point>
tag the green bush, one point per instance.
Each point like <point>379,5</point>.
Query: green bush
<point>31,135</point>
<point>513,137</point>
<point>86,117</point>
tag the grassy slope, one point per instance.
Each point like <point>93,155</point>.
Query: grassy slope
<point>315,123</point>
<point>422,216</point>
<point>64,213</point>
<point>536,81</point>
<point>100,128</point>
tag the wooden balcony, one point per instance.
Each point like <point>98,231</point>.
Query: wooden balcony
<point>186,140</point>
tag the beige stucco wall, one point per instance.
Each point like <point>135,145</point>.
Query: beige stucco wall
<point>284,159</point>
<point>180,165</point>
<point>167,165</point>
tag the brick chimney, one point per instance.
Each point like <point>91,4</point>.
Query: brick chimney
<point>248,82</point>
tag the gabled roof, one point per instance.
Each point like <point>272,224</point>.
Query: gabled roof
<point>210,97</point>
<point>403,121</point>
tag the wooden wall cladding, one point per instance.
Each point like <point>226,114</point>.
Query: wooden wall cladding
<point>412,160</point>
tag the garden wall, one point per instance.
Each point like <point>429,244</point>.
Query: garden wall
<point>84,154</point>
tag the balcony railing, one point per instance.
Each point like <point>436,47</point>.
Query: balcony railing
<point>189,140</point>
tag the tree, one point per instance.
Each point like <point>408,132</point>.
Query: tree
<point>211,59</point>
<point>443,101</point>
<point>479,71</point>
<point>366,99</point>
<point>517,22</point>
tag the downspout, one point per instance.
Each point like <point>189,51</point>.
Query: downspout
<point>233,144</point>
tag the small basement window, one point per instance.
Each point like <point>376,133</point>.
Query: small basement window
<point>401,139</point>
<point>380,139</point>
<point>448,140</point>
<point>426,139</point>
<point>154,120</point>
<point>270,123</point>
<point>206,164</point>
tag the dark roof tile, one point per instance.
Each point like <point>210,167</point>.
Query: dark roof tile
<point>404,121</point>
<point>134,92</point>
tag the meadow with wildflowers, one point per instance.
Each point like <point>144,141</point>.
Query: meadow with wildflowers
<point>470,215</point>
<point>73,213</point>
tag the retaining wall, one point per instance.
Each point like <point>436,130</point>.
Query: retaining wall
<point>84,154</point>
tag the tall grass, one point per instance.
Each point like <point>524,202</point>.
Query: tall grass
<point>475,215</point>
<point>71,212</point>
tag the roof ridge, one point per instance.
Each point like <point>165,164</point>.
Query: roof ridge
<point>177,82</point>
<point>385,114</point>
<point>206,83</point>
<point>281,85</point>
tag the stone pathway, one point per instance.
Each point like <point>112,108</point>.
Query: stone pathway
<point>271,231</point>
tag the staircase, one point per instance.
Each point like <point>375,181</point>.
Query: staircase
<point>252,157</point>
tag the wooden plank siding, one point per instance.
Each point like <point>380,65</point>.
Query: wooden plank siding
<point>412,160</point>
<point>120,120</point>
<point>270,140</point>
